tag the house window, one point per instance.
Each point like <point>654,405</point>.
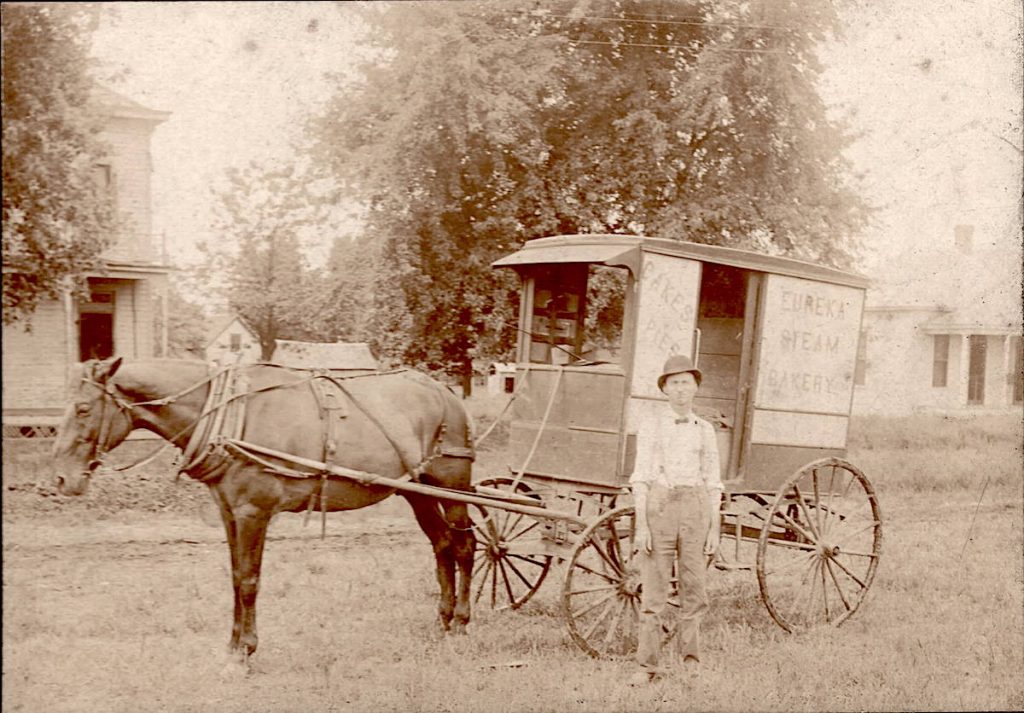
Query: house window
<point>236,342</point>
<point>940,360</point>
<point>1018,370</point>
<point>860,370</point>
<point>976,369</point>
<point>510,384</point>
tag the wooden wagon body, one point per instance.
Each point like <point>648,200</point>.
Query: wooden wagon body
<point>776,339</point>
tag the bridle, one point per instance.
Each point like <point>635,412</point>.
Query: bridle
<point>110,395</point>
<point>100,446</point>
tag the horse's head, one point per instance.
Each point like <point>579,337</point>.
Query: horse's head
<point>98,419</point>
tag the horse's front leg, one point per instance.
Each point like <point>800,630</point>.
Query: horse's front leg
<point>230,529</point>
<point>251,535</point>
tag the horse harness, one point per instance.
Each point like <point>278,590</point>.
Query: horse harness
<point>216,437</point>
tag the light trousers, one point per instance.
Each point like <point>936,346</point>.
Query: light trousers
<point>678,520</point>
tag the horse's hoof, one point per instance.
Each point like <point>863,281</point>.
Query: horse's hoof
<point>458,628</point>
<point>235,668</point>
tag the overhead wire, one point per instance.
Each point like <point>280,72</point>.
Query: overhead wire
<point>687,22</point>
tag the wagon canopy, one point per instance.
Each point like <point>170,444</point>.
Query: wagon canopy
<point>611,250</point>
<point>624,251</point>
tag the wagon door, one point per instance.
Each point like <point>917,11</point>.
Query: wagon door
<point>803,385</point>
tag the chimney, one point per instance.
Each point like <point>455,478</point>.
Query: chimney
<point>963,236</point>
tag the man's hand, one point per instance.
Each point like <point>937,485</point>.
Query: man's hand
<point>642,542</point>
<point>712,541</point>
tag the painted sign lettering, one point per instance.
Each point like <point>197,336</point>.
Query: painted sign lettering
<point>808,345</point>
<point>667,317</point>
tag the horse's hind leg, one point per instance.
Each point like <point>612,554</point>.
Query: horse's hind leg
<point>428,515</point>
<point>464,551</point>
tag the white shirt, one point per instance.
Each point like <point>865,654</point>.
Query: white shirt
<point>677,450</point>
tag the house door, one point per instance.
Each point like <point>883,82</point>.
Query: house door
<point>96,326</point>
<point>976,369</point>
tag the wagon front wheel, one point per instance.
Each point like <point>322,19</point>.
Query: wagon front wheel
<point>601,593</point>
<point>510,565</point>
<point>819,546</point>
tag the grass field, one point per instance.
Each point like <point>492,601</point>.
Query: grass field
<point>121,601</point>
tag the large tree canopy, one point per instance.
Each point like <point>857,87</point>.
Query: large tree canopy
<point>482,125</point>
<point>56,221</point>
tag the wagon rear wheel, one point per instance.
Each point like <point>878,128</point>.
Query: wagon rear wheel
<point>509,566</point>
<point>601,593</point>
<point>819,546</point>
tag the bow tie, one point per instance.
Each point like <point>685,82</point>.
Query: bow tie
<point>683,420</point>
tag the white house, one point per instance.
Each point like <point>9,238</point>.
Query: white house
<point>124,312</point>
<point>501,378</point>
<point>957,348</point>
<point>233,342</point>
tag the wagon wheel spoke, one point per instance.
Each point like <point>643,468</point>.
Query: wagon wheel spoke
<point>529,528</point>
<point>603,575</point>
<point>842,595</point>
<point>824,589</point>
<point>815,532</point>
<point>606,556</point>
<point>849,574</point>
<point>525,580</point>
<point>614,626</point>
<point>483,581</point>
<point>795,526</point>
<point>580,613</point>
<point>817,500</point>
<point>792,563</point>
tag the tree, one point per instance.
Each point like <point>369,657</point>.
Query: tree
<point>486,125</point>
<point>56,222</point>
<point>186,326</point>
<point>262,215</point>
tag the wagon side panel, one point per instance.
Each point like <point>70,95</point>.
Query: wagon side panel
<point>803,385</point>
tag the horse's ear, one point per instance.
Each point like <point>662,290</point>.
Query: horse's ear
<point>106,369</point>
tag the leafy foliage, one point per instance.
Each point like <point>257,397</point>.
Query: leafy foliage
<point>56,221</point>
<point>186,326</point>
<point>263,213</point>
<point>482,126</point>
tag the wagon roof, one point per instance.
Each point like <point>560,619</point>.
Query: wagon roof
<point>624,251</point>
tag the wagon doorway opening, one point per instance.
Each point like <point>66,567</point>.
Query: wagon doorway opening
<point>724,353</point>
<point>577,314</point>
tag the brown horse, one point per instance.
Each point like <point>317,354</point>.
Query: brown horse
<point>391,424</point>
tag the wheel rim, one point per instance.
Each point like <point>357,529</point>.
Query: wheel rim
<point>819,547</point>
<point>601,593</point>
<point>508,568</point>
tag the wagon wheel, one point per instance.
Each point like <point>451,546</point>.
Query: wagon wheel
<point>601,594</point>
<point>509,566</point>
<point>819,546</point>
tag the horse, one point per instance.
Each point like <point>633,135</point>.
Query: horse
<point>400,424</point>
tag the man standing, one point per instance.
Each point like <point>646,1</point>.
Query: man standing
<point>677,490</point>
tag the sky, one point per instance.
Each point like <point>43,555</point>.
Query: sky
<point>932,88</point>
